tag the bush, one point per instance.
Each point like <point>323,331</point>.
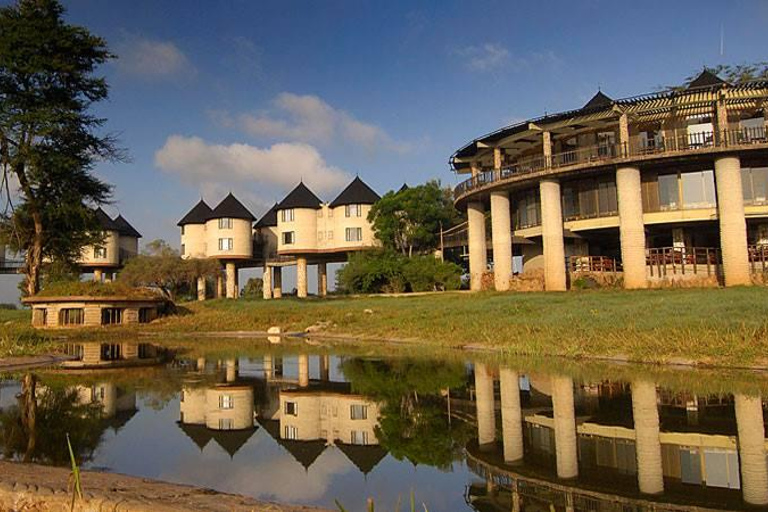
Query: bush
<point>387,271</point>
<point>8,306</point>
<point>253,289</point>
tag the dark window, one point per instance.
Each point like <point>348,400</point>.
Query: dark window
<point>110,351</point>
<point>146,315</point>
<point>111,316</point>
<point>289,237</point>
<point>71,316</point>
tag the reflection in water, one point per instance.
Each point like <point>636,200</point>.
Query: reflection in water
<point>359,426</point>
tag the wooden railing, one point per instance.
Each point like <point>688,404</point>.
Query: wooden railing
<point>758,258</point>
<point>663,261</point>
<point>605,153</point>
<point>578,264</point>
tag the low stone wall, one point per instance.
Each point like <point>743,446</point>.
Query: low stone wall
<point>530,281</point>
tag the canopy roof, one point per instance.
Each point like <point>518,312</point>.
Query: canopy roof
<point>300,197</point>
<point>357,192</point>
<point>105,221</point>
<point>125,228</point>
<point>365,457</point>
<point>231,208</point>
<point>197,215</point>
<point>269,219</point>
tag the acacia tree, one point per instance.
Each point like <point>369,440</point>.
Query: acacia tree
<point>49,141</point>
<point>410,219</point>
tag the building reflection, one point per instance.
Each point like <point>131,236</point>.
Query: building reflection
<point>566,445</point>
<point>97,355</point>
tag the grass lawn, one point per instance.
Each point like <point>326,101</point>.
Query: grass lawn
<point>717,326</point>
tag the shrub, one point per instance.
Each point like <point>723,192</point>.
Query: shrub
<point>427,273</point>
<point>8,306</point>
<point>253,289</point>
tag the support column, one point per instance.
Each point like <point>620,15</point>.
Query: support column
<point>231,370</point>
<point>497,163</point>
<point>325,368</point>
<point>98,275</point>
<point>301,277</point>
<point>624,136</point>
<point>478,254</point>
<point>650,472</point>
<point>200,364</point>
<point>552,235</point>
<point>303,370</point>
<point>546,144</point>
<point>486,410</point>
<point>322,279</point>
<point>721,118</point>
<point>201,288</point>
<point>501,237</point>
<point>266,282</point>
<point>267,366</point>
<point>751,430</point>
<point>277,289</point>
<point>565,427</point>
<point>511,416</point>
<point>631,227</point>
<point>231,270</point>
<point>219,286</point>
<point>733,226</point>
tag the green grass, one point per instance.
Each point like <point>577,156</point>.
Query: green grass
<point>715,326</point>
<point>18,338</point>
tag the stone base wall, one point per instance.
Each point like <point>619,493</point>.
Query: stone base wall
<point>529,281</point>
<point>685,281</point>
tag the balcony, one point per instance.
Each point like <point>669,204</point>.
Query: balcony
<point>605,154</point>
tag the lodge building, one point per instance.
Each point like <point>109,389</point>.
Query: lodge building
<point>120,243</point>
<point>669,186</point>
<point>300,230</point>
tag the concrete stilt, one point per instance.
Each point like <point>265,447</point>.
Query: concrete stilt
<point>751,430</point>
<point>552,235</point>
<point>200,288</point>
<point>231,370</point>
<point>511,416</point>
<point>277,290</point>
<point>486,410</point>
<point>98,275</point>
<point>322,279</point>
<point>301,277</point>
<point>501,236</point>
<point>266,283</point>
<point>733,226</point>
<point>478,254</point>
<point>650,472</point>
<point>631,227</point>
<point>303,370</point>
<point>231,271</point>
<point>565,427</point>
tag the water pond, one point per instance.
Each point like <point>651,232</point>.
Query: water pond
<point>311,425</point>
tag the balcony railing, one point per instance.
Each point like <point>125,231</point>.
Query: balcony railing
<point>605,153</point>
<point>577,264</point>
<point>663,261</point>
<point>758,258</point>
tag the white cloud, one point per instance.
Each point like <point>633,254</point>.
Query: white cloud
<point>486,57</point>
<point>155,59</point>
<point>213,167</point>
<point>308,118</point>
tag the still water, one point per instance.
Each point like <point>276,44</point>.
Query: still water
<point>310,425</point>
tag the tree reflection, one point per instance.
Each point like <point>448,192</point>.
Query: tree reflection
<point>414,423</point>
<point>35,429</point>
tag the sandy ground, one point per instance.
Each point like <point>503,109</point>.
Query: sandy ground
<point>31,487</point>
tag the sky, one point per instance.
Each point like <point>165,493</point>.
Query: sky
<point>251,97</point>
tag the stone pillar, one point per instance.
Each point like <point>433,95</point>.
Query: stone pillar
<point>565,427</point>
<point>511,416</point>
<point>486,410</point>
<point>497,163</point>
<point>231,370</point>
<point>200,364</point>
<point>322,279</point>
<point>721,126</point>
<point>98,275</point>
<point>552,235</point>
<point>478,254</point>
<point>325,368</point>
<point>219,286</point>
<point>501,237</point>
<point>751,430</point>
<point>303,370</point>
<point>268,368</point>
<point>546,144</point>
<point>266,282</point>
<point>277,289</point>
<point>301,277</point>
<point>733,226</point>
<point>200,288</point>
<point>650,472</point>
<point>231,270</point>
<point>631,227</point>
<point>624,150</point>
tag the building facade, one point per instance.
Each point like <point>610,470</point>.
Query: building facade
<point>120,243</point>
<point>661,188</point>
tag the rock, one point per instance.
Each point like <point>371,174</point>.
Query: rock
<point>318,326</point>
<point>274,330</point>
<point>368,311</point>
<point>274,339</point>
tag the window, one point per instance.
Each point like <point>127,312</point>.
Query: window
<point>183,250</point>
<point>320,213</point>
<point>698,189</point>
<point>291,408</point>
<point>111,351</point>
<point>358,437</point>
<point>669,192</point>
<point>226,424</point>
<point>225,223</point>
<point>754,182</point>
<point>71,316</point>
<point>290,432</point>
<point>146,315</point>
<point>226,402</point>
<point>226,244</point>
<point>358,412</point>
<point>528,209</point>
<point>289,237</point>
<point>354,234</point>
<point>330,235</point>
<point>353,210</point>
<point>111,316</point>
<point>320,236</point>
<point>100,252</point>
<point>182,230</point>
<point>39,316</point>
<point>606,142</point>
<point>286,215</point>
<point>330,213</point>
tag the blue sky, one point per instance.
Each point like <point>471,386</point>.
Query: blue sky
<point>248,96</point>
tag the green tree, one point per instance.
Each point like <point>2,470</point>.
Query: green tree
<point>49,141</point>
<point>160,266</point>
<point>410,219</point>
<point>253,288</point>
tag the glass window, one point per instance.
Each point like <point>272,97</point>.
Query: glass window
<point>354,234</point>
<point>358,412</point>
<point>99,252</point>
<point>225,223</point>
<point>290,432</point>
<point>668,192</point>
<point>226,424</point>
<point>289,237</point>
<point>353,210</point>
<point>528,210</point>
<point>606,197</point>
<point>226,402</point>
<point>320,235</point>
<point>358,437</point>
<point>183,250</point>
<point>759,184</point>
<point>71,316</point>
<point>330,235</point>
<point>587,199</point>
<point>291,408</point>
<point>182,230</point>
<point>111,316</point>
<point>286,215</point>
<point>570,202</point>
<point>698,189</point>
<point>226,244</point>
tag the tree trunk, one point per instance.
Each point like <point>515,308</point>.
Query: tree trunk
<point>34,257</point>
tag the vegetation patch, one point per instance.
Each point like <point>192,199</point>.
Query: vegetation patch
<point>95,289</point>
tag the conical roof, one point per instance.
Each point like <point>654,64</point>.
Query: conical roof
<point>300,197</point>
<point>304,452</point>
<point>197,215</point>
<point>599,100</point>
<point>356,192</point>
<point>269,219</point>
<point>125,228</point>
<point>199,434</point>
<point>365,457</point>
<point>232,440</point>
<point>403,188</point>
<point>105,221</point>
<point>706,79</point>
<point>231,208</point>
